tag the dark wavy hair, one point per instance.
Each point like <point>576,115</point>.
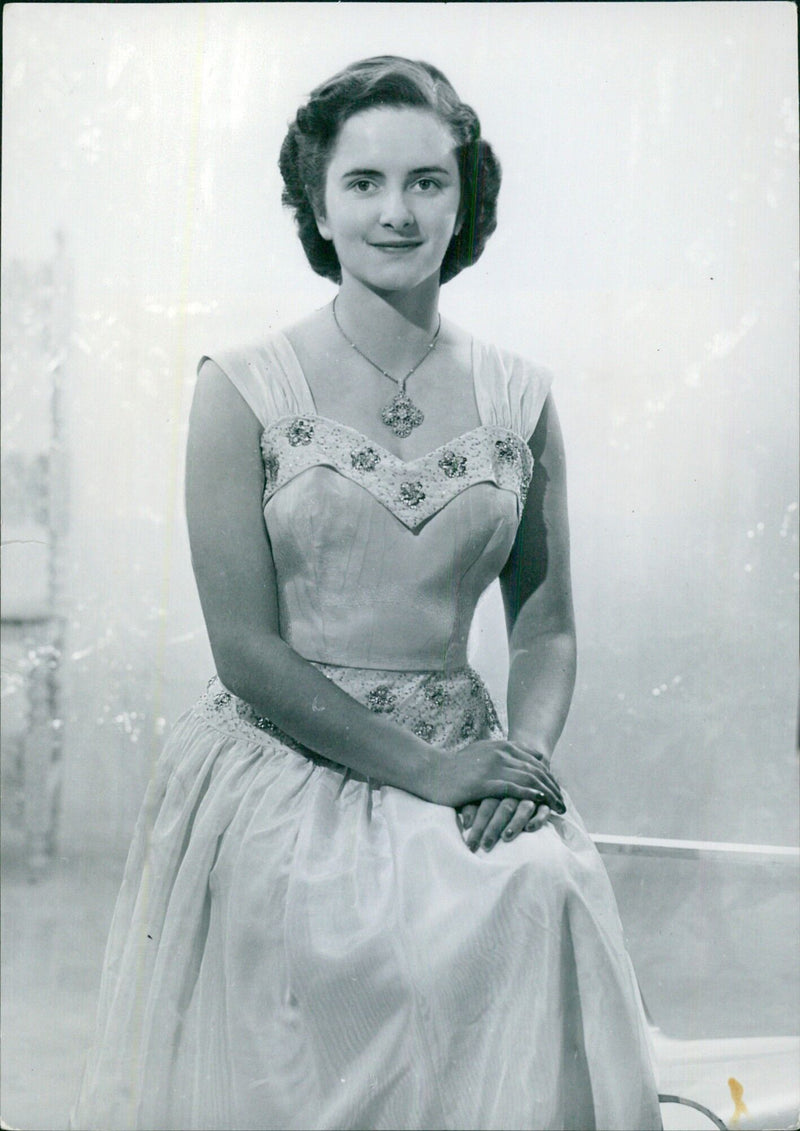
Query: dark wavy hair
<point>387,80</point>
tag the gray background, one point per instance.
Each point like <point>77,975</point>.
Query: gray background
<point>646,252</point>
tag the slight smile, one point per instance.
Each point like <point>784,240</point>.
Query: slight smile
<point>407,245</point>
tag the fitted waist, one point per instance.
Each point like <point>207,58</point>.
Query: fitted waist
<point>395,637</point>
<point>443,660</point>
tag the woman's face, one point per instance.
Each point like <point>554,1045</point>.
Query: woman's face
<point>392,195</point>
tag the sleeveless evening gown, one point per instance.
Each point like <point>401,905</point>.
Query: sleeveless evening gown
<point>295,947</point>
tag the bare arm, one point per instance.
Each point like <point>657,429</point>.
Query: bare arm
<point>538,600</point>
<point>538,597</point>
<point>236,579</point>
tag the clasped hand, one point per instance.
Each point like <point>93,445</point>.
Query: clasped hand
<point>483,824</point>
<point>498,788</point>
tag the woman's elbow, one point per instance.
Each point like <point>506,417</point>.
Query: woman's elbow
<point>550,615</point>
<point>244,660</point>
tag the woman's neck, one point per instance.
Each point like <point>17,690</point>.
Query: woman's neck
<point>390,327</point>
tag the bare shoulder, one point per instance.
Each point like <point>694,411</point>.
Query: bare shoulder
<point>212,382</point>
<point>218,406</point>
<point>547,441</point>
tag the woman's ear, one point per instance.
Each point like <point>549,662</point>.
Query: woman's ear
<point>322,224</point>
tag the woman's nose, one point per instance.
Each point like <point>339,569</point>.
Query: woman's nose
<point>395,212</point>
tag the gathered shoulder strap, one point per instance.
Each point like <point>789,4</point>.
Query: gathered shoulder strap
<point>510,391</point>
<point>268,377</point>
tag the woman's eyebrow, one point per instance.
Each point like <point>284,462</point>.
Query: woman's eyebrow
<point>423,170</point>
<point>431,169</point>
<point>361,173</point>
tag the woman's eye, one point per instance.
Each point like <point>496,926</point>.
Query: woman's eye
<point>361,186</point>
<point>426,184</point>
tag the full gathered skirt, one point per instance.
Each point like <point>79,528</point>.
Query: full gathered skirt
<point>294,947</point>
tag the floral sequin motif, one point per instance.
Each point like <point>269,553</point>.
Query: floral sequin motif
<point>381,700</point>
<point>450,709</point>
<point>244,710</point>
<point>365,459</point>
<point>412,490</point>
<point>300,432</point>
<point>506,451</point>
<point>469,728</point>
<point>435,694</point>
<point>411,493</point>
<point>272,466</point>
<point>454,466</point>
<point>476,683</point>
<point>250,715</point>
<point>480,692</point>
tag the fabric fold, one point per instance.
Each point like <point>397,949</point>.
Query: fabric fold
<point>296,948</point>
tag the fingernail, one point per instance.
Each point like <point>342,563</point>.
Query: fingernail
<point>508,835</point>
<point>488,845</point>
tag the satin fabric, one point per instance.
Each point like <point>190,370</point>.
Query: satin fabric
<point>382,563</point>
<point>357,584</point>
<point>295,947</point>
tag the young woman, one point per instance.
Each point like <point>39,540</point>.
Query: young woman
<point>352,900</point>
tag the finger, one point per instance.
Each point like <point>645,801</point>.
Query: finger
<point>535,766</point>
<point>527,786</point>
<point>499,820</point>
<point>525,810</point>
<point>482,817</point>
<point>466,815</point>
<point>540,769</point>
<point>499,790</point>
<point>532,756</point>
<point>548,788</point>
<point>552,788</point>
<point>538,819</point>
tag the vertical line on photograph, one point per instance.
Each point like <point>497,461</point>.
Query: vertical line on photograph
<point>178,371</point>
<point>173,478</point>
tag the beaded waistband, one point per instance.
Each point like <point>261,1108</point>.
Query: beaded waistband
<point>447,709</point>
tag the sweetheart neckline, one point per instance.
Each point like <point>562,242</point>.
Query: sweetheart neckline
<point>387,451</point>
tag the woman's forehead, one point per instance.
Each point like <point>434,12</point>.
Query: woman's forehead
<point>394,136</point>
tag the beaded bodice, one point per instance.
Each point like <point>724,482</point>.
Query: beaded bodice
<point>412,490</point>
<point>380,561</point>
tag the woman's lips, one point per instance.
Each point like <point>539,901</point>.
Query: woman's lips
<point>407,246</point>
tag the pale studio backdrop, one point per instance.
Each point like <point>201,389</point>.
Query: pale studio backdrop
<point>646,251</point>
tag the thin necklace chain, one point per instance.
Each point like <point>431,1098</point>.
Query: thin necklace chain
<point>400,382</point>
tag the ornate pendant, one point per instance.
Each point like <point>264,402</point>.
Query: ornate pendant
<point>402,415</point>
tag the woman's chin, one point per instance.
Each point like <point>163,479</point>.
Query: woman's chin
<point>394,278</point>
